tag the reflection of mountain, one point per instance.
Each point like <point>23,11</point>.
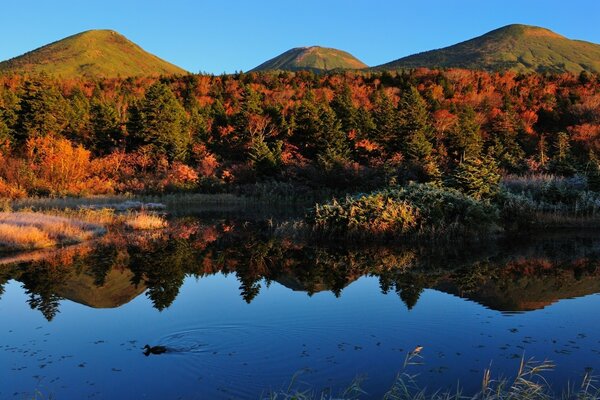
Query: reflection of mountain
<point>294,283</point>
<point>525,293</point>
<point>116,290</point>
<point>512,277</point>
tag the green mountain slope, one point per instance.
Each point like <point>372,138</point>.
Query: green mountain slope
<point>313,58</point>
<point>520,48</point>
<point>95,53</point>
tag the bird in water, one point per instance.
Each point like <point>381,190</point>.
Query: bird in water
<point>156,350</point>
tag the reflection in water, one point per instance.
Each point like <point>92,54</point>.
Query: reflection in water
<point>119,267</point>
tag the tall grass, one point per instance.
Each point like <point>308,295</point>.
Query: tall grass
<point>144,221</point>
<point>27,230</point>
<point>529,383</point>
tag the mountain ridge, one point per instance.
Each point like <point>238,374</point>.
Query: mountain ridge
<point>93,53</point>
<point>518,47</point>
<point>312,58</point>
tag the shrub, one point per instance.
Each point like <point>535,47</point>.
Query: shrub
<point>517,212</point>
<point>414,209</point>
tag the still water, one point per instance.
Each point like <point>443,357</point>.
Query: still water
<point>243,311</point>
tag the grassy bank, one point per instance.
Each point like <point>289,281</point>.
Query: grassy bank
<point>30,230</point>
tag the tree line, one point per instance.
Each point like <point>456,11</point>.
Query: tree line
<point>342,130</point>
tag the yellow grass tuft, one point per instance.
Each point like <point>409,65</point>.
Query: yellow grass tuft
<point>143,221</point>
<point>23,237</point>
<point>29,230</point>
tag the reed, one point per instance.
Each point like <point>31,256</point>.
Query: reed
<point>528,384</point>
<point>144,221</point>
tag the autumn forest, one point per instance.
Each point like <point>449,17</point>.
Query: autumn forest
<point>348,131</point>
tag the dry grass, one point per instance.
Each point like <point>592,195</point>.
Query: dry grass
<point>528,384</point>
<point>28,230</point>
<point>143,221</point>
<point>23,237</point>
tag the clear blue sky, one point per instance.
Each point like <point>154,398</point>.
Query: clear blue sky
<point>227,35</point>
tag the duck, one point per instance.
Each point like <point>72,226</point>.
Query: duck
<point>156,350</point>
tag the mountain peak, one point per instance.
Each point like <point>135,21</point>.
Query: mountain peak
<point>312,58</point>
<point>521,30</point>
<point>517,47</point>
<point>93,53</point>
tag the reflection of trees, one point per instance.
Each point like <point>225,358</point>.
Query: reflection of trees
<point>162,268</point>
<point>102,260</point>
<point>42,282</point>
<point>161,263</point>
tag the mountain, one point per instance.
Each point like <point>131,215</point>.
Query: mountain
<point>95,53</point>
<point>315,58</point>
<point>520,48</point>
<point>116,289</point>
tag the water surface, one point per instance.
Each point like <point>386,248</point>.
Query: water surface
<point>243,310</point>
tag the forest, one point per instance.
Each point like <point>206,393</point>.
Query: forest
<point>346,131</point>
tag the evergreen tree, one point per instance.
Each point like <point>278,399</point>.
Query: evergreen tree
<point>307,126</point>
<point>265,159</point>
<point>385,118</point>
<point>503,131</point>
<point>414,128</point>
<point>593,172</point>
<point>164,123</point>
<point>345,110</point>
<point>41,111</point>
<point>465,140</point>
<point>9,108</point>
<point>476,177</point>
<point>78,119</point>
<point>563,163</point>
<point>333,149</point>
<point>106,128</point>
<point>415,133</point>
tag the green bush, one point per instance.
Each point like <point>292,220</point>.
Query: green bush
<point>414,209</point>
<point>517,212</point>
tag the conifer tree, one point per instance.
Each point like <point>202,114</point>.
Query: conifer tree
<point>385,117</point>
<point>164,123</point>
<point>465,140</point>
<point>106,128</point>
<point>41,111</point>
<point>414,128</point>
<point>265,159</point>
<point>476,177</point>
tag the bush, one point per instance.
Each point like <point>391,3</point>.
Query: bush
<point>517,212</point>
<point>414,209</point>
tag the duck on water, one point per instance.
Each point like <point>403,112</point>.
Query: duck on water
<point>155,350</point>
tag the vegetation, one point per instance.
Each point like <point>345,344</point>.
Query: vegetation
<point>293,132</point>
<point>315,58</point>
<point>397,212</point>
<point>143,221</point>
<point>519,48</point>
<point>504,276</point>
<point>26,231</point>
<point>95,53</point>
<point>528,384</point>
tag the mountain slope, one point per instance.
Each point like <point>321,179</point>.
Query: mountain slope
<point>95,53</point>
<point>520,48</point>
<point>315,58</point>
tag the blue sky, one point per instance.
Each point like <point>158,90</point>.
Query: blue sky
<point>229,35</point>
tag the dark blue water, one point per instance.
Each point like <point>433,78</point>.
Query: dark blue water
<point>222,347</point>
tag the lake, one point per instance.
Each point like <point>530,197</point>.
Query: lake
<point>244,310</point>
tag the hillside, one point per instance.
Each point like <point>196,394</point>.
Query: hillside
<point>315,58</point>
<point>520,48</point>
<point>95,53</point>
